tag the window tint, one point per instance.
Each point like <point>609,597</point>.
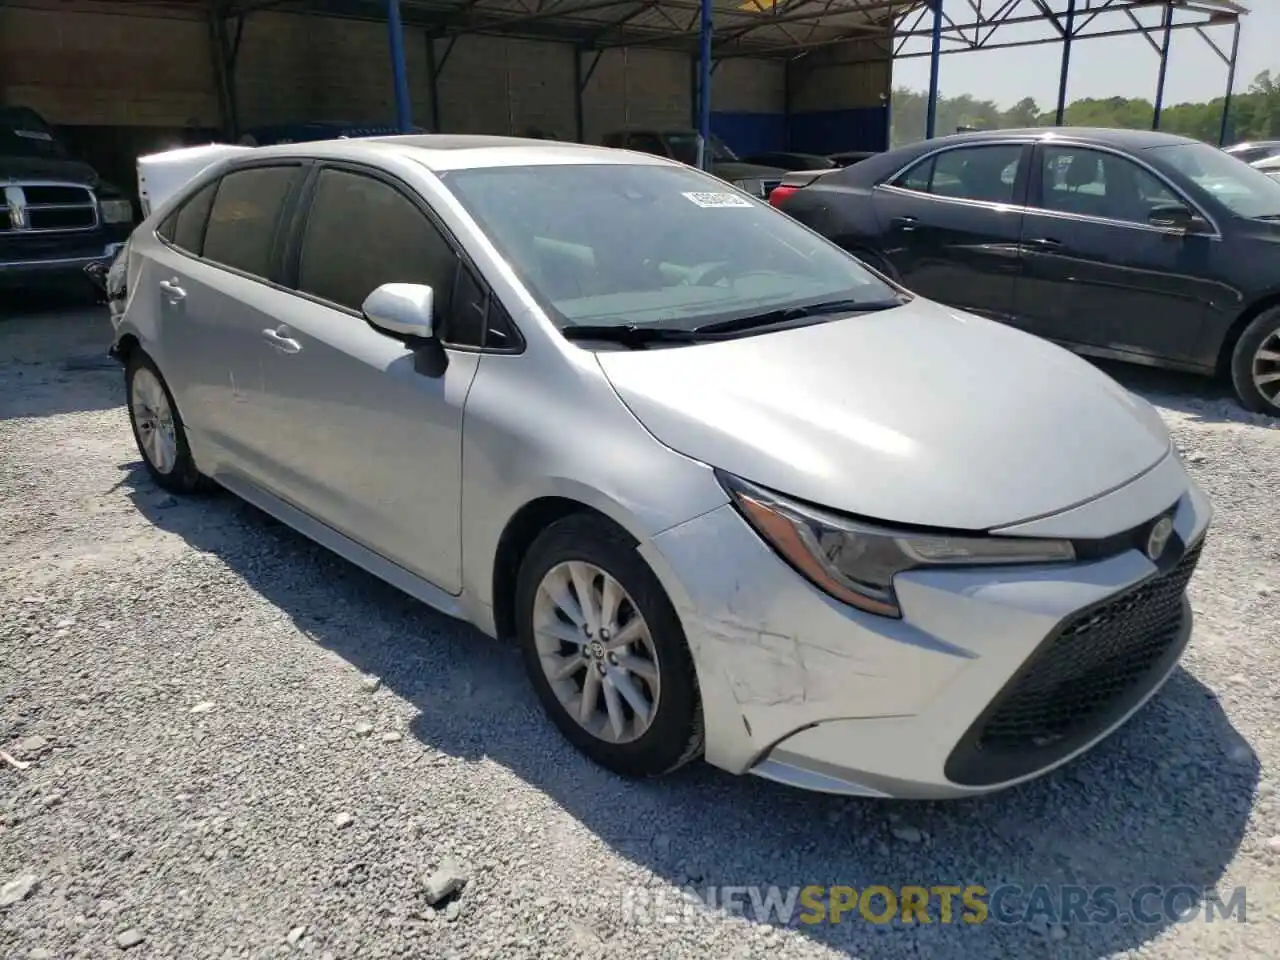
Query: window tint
<point>362,233</point>
<point>167,228</point>
<point>242,224</point>
<point>1098,184</point>
<point>986,173</point>
<point>190,219</point>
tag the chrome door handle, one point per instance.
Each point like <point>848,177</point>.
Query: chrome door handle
<point>1043,243</point>
<point>171,289</point>
<point>904,223</point>
<point>281,342</point>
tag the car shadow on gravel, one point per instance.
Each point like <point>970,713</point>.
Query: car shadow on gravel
<point>1160,808</point>
<point>1199,398</point>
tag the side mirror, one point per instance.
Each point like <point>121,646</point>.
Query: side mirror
<point>1174,216</point>
<point>402,310</point>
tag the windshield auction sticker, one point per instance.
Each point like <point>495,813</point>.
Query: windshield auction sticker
<point>718,199</point>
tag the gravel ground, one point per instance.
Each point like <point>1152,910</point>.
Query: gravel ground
<point>236,744</point>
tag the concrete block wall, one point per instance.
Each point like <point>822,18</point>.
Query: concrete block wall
<point>294,68</point>
<point>85,63</point>
<point>839,98</point>
<point>145,64</point>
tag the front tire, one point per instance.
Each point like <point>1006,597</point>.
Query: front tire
<point>1255,364</point>
<point>158,429</point>
<point>605,651</point>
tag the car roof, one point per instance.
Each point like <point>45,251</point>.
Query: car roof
<point>439,152</point>
<point>1106,136</point>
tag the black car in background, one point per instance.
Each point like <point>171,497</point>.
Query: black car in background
<point>1137,246</point>
<point>790,160</point>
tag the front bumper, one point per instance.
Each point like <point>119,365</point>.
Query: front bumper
<point>24,258</point>
<point>804,690</point>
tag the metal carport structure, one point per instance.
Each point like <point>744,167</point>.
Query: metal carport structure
<point>712,31</point>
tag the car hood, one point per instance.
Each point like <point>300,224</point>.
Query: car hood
<point>38,168</point>
<point>919,415</point>
<point>737,170</point>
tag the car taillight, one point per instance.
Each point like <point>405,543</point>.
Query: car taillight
<point>780,193</point>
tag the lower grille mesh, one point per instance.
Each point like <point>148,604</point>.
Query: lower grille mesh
<point>1098,663</point>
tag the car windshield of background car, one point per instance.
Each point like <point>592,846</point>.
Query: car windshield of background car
<point>621,244</point>
<point>1242,189</point>
<point>23,134</point>
<point>684,147</point>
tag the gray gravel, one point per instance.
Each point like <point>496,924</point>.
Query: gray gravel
<point>221,741</point>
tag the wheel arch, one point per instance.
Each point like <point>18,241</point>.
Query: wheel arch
<point>1238,327</point>
<point>518,535</point>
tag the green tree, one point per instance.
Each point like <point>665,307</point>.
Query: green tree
<point>1255,114</point>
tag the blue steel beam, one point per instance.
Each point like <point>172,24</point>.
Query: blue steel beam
<point>1231,82</point>
<point>1164,66</point>
<point>399,74</point>
<point>935,64</point>
<point>706,27</point>
<point>1068,34</point>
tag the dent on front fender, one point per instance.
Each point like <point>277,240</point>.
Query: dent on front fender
<point>772,653</point>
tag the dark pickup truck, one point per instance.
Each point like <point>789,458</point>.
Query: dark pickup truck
<point>57,216</point>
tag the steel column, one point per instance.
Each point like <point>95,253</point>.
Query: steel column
<point>580,80</point>
<point>1164,65</point>
<point>1067,36</point>
<point>935,63</point>
<point>1231,82</point>
<point>399,74</point>
<point>706,27</point>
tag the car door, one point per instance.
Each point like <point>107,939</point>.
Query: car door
<point>212,279</point>
<point>364,442</point>
<point>1096,272</point>
<point>951,222</point>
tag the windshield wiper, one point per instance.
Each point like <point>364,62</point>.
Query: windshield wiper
<point>791,314</point>
<point>630,334</point>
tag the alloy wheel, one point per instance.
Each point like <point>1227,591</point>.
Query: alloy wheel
<point>153,416</point>
<point>596,651</point>
<point>1266,368</point>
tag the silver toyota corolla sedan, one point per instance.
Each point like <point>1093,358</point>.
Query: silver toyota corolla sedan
<point>733,494</point>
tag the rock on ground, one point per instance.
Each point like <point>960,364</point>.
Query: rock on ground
<point>216,834</point>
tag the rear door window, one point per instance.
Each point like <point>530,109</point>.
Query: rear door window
<point>184,228</point>
<point>241,232</point>
<point>988,173</point>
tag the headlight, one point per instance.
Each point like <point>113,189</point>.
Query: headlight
<point>116,211</point>
<point>856,562</point>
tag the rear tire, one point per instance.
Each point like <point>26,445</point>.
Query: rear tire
<point>569,663</point>
<point>1255,361</point>
<point>158,429</point>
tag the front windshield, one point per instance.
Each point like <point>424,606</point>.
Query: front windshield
<point>623,244</point>
<point>24,134</point>
<point>684,147</point>
<point>1240,188</point>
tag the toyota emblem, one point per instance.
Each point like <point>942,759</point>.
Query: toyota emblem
<point>1158,539</point>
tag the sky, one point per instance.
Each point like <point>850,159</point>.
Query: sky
<point>1103,67</point>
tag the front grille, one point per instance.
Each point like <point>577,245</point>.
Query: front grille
<point>46,208</point>
<point>1083,678</point>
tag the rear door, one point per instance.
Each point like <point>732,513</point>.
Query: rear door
<point>1096,272</point>
<point>951,224</point>
<point>221,296</point>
